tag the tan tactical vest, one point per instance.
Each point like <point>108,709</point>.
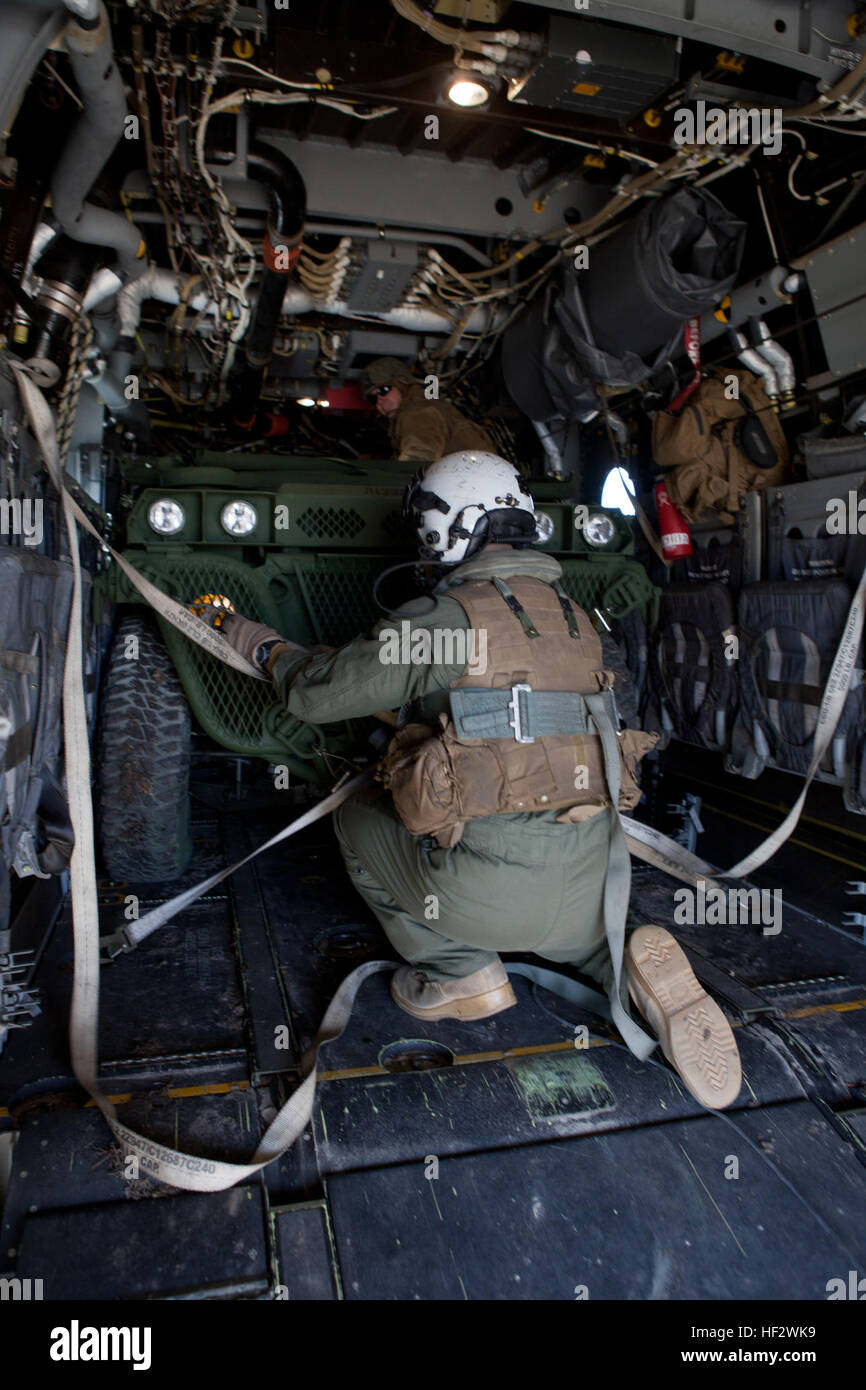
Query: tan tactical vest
<point>439,780</point>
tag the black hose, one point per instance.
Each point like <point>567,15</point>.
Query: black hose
<point>389,610</point>
<point>288,194</point>
<point>287,199</point>
<point>65,268</point>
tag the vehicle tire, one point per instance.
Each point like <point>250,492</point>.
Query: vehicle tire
<point>142,759</point>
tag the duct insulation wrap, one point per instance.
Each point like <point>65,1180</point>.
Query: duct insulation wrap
<point>675,259</point>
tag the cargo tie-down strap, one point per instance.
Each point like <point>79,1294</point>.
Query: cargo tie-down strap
<point>199,1174</point>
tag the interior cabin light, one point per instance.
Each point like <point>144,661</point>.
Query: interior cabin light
<point>467,91</point>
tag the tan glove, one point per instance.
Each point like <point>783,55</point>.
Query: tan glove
<point>246,637</point>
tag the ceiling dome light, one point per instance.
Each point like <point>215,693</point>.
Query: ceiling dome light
<point>238,518</point>
<point>165,517</point>
<point>306,400</point>
<point>467,91</point>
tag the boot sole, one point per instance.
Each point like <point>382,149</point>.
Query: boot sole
<point>694,1034</point>
<point>476,1006</point>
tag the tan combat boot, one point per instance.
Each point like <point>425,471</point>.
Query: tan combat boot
<point>694,1034</point>
<point>480,995</point>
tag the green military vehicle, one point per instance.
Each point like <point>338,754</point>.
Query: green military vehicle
<point>296,543</point>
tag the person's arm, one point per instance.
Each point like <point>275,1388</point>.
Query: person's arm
<point>420,434</point>
<point>363,677</point>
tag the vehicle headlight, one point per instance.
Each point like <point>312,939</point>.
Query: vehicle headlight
<point>238,518</point>
<point>544,527</point>
<point>166,517</point>
<point>598,529</point>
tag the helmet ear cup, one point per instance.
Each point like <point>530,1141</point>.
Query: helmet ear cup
<point>509,524</point>
<point>478,537</point>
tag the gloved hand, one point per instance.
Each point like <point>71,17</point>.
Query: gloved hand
<point>246,636</point>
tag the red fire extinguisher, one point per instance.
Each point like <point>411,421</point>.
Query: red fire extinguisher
<point>673,529</point>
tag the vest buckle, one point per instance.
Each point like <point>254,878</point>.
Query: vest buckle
<point>514,714</point>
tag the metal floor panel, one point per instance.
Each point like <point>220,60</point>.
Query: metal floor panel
<point>520,1120</point>
<point>193,960</point>
<point>528,1098</point>
<point>305,1256</point>
<point>75,1220</point>
<point>190,1245</point>
<point>646,1214</point>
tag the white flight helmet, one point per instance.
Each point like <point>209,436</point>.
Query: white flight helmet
<point>463,501</point>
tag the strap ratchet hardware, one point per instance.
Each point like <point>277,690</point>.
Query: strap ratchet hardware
<point>110,947</point>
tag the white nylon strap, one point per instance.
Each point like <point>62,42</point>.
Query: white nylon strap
<point>213,1175</point>
<point>664,853</point>
<point>181,1170</point>
<point>192,627</point>
<point>136,932</point>
<point>617,886</point>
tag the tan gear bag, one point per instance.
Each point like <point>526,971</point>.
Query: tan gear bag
<point>702,446</point>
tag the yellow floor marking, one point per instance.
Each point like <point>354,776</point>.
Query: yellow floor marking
<point>462,1059</point>
<point>804,844</point>
<point>774,806</point>
<point>180,1092</point>
<point>827,1008</point>
<point>470,1058</point>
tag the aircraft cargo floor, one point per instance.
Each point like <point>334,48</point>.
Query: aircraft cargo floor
<point>494,1160</point>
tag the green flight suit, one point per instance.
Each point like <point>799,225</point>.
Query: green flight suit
<point>521,882</point>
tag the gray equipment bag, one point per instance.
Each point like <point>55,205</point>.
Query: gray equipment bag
<point>825,458</point>
<point>693,672</point>
<point>802,526</point>
<point>717,561</point>
<point>788,638</point>
<point>34,832</point>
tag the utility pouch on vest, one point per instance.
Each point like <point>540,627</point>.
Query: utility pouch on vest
<point>517,747</point>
